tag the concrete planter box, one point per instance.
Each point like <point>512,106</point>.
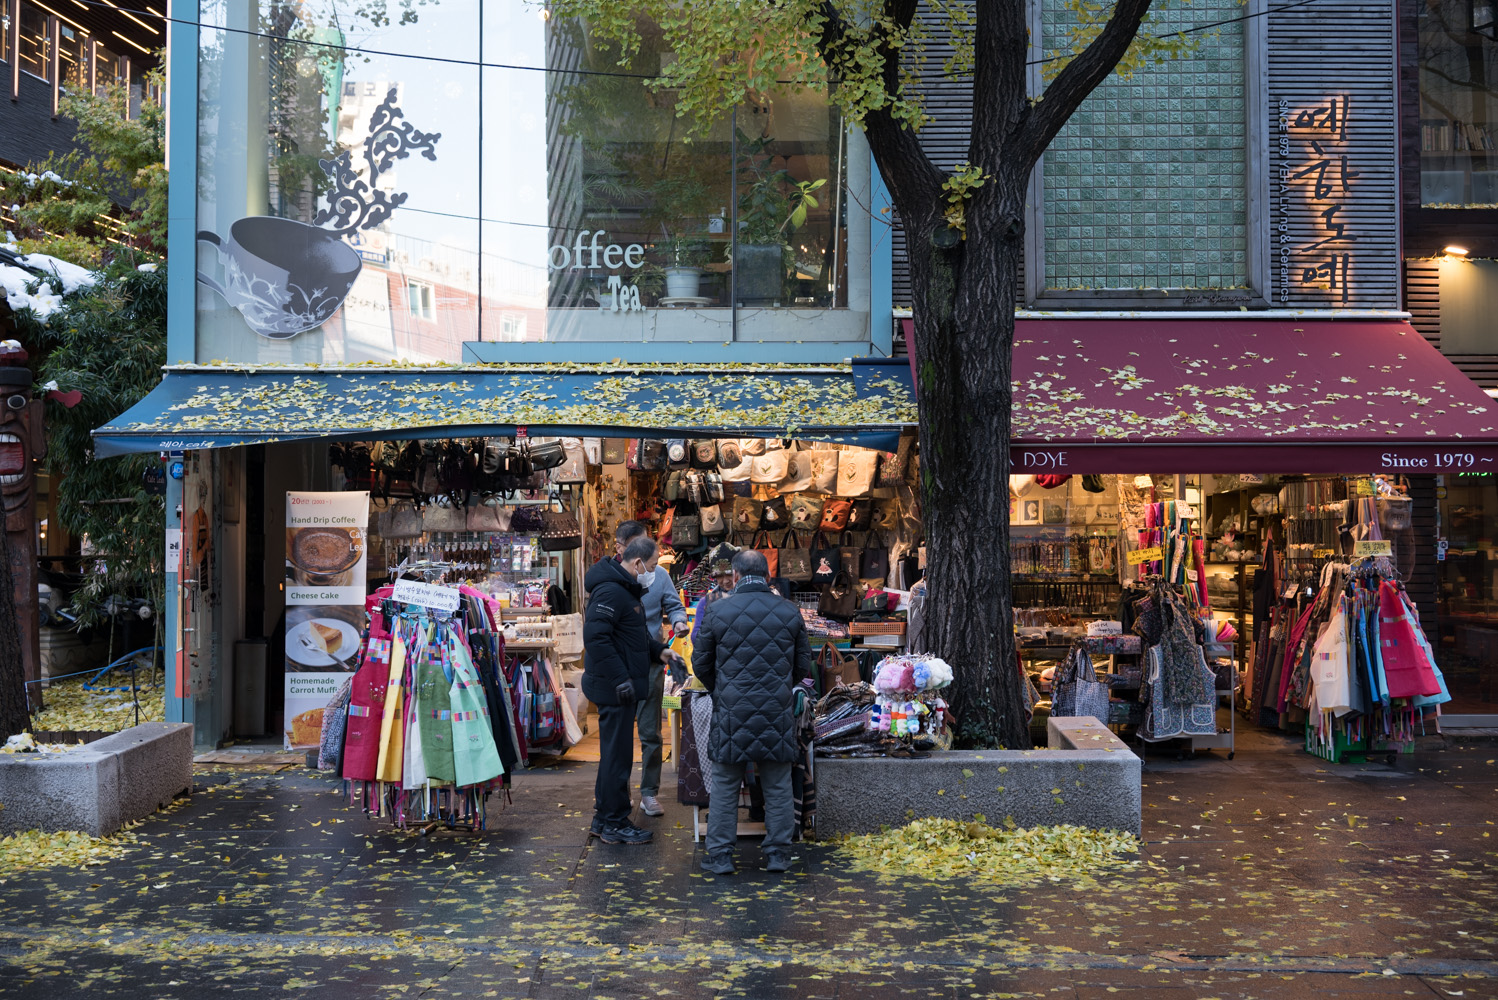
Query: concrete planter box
<point>99,787</point>
<point>1087,777</point>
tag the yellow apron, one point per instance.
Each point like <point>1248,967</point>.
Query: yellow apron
<point>393,725</point>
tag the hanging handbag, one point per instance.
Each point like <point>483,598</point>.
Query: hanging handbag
<point>824,470</point>
<point>886,514</point>
<point>753,447</point>
<point>1078,691</point>
<point>677,456</point>
<point>873,560</point>
<point>806,512</point>
<point>712,485</point>
<point>668,521</point>
<point>704,453</point>
<point>855,472</point>
<point>545,453</point>
<point>836,668</point>
<point>482,517</point>
<point>686,531</point>
<point>593,451</point>
<point>438,518</point>
<point>730,453</point>
<point>574,467</point>
<point>738,473</point>
<point>401,521</point>
<point>769,468</point>
<point>795,560</point>
<point>694,486</point>
<point>835,514</point>
<point>861,515</point>
<point>840,600</point>
<point>893,465</point>
<point>672,490</point>
<point>560,531</point>
<point>763,546</point>
<point>847,556</point>
<point>713,521</point>
<point>826,562</point>
<point>775,516</point>
<point>615,451</point>
<point>746,514</point>
<point>527,520</point>
<point>798,472</point>
<point>492,458</point>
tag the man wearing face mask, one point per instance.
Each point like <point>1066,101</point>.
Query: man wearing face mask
<point>619,649</point>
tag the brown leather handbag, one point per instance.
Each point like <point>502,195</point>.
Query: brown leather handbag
<point>835,668</point>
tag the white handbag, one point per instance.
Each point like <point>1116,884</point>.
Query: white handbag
<point>855,472</point>
<point>798,472</point>
<point>823,470</point>
<point>768,468</point>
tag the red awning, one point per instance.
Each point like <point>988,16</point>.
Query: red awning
<point>1250,395</point>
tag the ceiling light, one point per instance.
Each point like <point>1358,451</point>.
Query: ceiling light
<point>1455,251</point>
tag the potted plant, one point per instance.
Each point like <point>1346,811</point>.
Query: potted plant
<point>681,259</point>
<point>772,206</point>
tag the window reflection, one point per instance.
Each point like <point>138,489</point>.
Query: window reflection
<point>1468,612</point>
<point>1458,103</point>
<point>35,49</point>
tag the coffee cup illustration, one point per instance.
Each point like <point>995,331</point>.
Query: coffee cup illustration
<point>324,557</point>
<point>285,277</point>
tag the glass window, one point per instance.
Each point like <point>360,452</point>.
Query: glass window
<point>1467,615</point>
<point>420,300</point>
<point>72,56</point>
<point>106,68</point>
<point>1146,185</point>
<point>5,33</point>
<point>36,42</point>
<point>1458,105</point>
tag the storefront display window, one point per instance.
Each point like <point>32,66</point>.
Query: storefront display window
<point>507,162</point>
<point>1458,42</point>
<point>1468,610</point>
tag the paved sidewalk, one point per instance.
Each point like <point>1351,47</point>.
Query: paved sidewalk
<point>1271,875</point>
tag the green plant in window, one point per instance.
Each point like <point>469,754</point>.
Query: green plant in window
<point>772,203</point>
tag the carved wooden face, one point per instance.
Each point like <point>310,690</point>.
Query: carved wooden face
<point>21,440</point>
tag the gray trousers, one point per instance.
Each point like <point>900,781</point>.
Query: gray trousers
<point>648,722</point>
<point>723,806</point>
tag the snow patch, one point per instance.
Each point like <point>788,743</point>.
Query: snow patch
<point>15,281</point>
<point>72,276</point>
<point>148,268</point>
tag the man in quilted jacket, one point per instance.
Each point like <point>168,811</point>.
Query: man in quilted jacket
<point>750,653</point>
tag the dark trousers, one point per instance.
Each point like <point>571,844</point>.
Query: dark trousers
<point>616,756</point>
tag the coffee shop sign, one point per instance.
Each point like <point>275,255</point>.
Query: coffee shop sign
<point>588,250</point>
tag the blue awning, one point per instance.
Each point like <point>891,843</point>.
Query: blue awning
<point>210,406</point>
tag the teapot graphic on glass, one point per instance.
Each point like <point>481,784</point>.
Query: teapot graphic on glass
<point>287,277</point>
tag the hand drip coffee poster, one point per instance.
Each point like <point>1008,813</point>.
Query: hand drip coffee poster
<point>326,557</point>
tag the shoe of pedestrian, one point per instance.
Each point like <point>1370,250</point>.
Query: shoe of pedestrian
<point>777,861</point>
<point>651,806</point>
<point>596,828</point>
<point>626,833</point>
<point>719,864</point>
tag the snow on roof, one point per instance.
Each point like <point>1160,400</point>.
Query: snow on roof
<point>44,301</point>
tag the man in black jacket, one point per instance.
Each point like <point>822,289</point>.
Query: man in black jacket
<point>750,652</point>
<point>618,649</point>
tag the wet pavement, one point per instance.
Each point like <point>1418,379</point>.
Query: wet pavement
<point>1274,874</point>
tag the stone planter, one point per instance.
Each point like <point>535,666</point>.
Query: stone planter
<point>1087,777</point>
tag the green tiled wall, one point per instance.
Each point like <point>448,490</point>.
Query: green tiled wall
<point>1145,188</point>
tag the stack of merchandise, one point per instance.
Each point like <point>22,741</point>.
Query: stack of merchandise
<point>908,707</point>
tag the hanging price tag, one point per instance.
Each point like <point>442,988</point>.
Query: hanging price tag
<point>1381,547</point>
<point>1323,553</point>
<point>1151,554</point>
<point>427,595</point>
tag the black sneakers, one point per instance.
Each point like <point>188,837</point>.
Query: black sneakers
<point>719,864</point>
<point>777,861</point>
<point>626,833</point>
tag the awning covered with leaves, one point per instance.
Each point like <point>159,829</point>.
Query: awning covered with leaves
<point>1221,395</point>
<point>220,406</point>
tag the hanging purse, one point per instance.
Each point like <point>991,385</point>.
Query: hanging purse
<point>574,467</point>
<point>686,531</point>
<point>840,600</point>
<point>713,521</point>
<point>676,453</point>
<point>873,560</point>
<point>527,520</point>
<point>746,514</point>
<point>593,451</point>
<point>763,546</point>
<point>738,473</point>
<point>861,517</point>
<point>775,516</point>
<point>482,517</point>
<point>615,451</point>
<point>704,453</point>
<point>886,514</point>
<point>668,521</point>
<point>560,531</point>
<point>798,472</point>
<point>824,470</point>
<point>694,486</point>
<point>893,465</point>
<point>753,447</point>
<point>769,468</point>
<point>826,561</point>
<point>1077,690</point>
<point>855,472</point>
<point>672,490</point>
<point>795,561</point>
<point>437,518</point>
<point>835,515</point>
<point>712,485</point>
<point>402,521</point>
<point>806,512</point>
<point>545,453</point>
<point>730,454</point>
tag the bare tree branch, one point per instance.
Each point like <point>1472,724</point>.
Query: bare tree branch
<point>1080,77</point>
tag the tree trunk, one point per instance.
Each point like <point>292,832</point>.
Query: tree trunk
<point>15,715</point>
<point>964,333</point>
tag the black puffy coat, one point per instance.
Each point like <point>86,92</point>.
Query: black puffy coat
<point>750,651</point>
<point>617,644</point>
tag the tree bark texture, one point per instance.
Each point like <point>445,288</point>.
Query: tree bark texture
<point>964,303</point>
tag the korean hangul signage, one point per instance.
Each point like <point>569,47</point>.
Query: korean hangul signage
<point>1314,248</point>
